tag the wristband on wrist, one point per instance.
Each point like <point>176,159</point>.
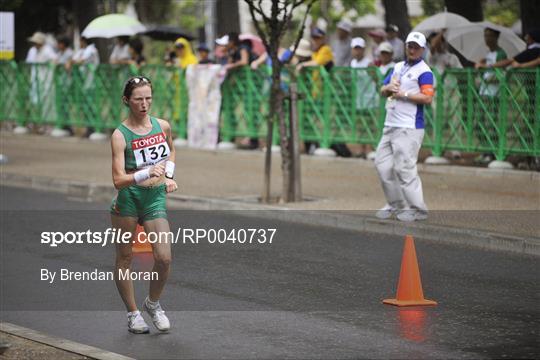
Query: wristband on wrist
<point>169,169</point>
<point>141,176</point>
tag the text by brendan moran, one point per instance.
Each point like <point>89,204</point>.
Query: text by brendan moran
<point>96,275</point>
<point>182,236</point>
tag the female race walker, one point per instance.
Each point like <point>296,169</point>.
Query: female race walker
<point>142,169</point>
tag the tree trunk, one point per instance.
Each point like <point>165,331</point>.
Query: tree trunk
<point>470,9</point>
<point>397,13</point>
<point>268,161</point>
<point>228,18</point>
<point>295,193</point>
<point>530,13</point>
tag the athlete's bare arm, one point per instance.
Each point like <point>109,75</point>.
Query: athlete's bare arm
<point>166,127</point>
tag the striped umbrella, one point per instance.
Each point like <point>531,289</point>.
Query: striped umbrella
<point>113,25</point>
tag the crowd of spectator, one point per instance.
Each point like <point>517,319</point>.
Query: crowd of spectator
<point>340,49</point>
<point>382,49</point>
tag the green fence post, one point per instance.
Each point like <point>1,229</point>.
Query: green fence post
<point>439,112</point>
<point>469,129</point>
<point>226,113</point>
<point>184,104</point>
<point>325,141</point>
<point>246,75</point>
<point>23,92</point>
<point>536,121</point>
<point>502,133</point>
<point>59,91</point>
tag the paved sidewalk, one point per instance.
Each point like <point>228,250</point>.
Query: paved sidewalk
<point>506,202</point>
<point>25,343</point>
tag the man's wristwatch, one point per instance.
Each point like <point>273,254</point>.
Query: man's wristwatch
<point>406,95</point>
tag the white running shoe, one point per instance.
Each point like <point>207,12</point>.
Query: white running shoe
<point>160,320</point>
<point>386,212</point>
<point>136,323</point>
<point>411,215</point>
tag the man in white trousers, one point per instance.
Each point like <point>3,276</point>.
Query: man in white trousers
<point>408,87</point>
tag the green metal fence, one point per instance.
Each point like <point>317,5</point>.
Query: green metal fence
<point>490,110</point>
<point>86,95</point>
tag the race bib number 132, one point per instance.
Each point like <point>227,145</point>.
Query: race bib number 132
<point>150,150</point>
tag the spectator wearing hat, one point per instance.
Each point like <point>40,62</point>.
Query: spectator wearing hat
<point>366,94</point>
<point>386,55</point>
<point>303,52</point>
<point>120,53</point>
<point>378,36</point>
<point>40,52</point>
<point>322,53</point>
<point>528,57</point>
<point>184,54</point>
<point>341,44</point>
<point>398,46</point>
<point>220,51</point>
<point>204,54</point>
<point>359,59</point>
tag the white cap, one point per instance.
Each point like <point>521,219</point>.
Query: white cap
<point>386,47</point>
<point>304,48</point>
<point>224,40</point>
<point>345,25</point>
<point>358,41</point>
<point>416,37</point>
<point>38,38</point>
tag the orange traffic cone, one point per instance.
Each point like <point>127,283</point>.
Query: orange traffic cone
<point>139,244</point>
<point>409,292</point>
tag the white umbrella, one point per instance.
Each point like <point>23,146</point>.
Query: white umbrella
<point>113,25</point>
<point>469,40</point>
<point>437,22</point>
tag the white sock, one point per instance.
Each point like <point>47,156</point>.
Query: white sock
<point>133,313</point>
<point>152,303</point>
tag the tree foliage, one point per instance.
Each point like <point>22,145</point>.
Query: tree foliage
<point>333,11</point>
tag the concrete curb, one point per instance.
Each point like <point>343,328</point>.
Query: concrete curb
<point>335,219</point>
<point>59,343</point>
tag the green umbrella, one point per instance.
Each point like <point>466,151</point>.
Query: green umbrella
<point>113,25</point>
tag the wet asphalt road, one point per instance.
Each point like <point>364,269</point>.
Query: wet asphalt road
<point>315,292</point>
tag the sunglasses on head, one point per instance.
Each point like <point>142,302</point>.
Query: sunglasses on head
<point>138,79</point>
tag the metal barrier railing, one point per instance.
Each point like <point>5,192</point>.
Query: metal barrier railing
<point>491,110</point>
